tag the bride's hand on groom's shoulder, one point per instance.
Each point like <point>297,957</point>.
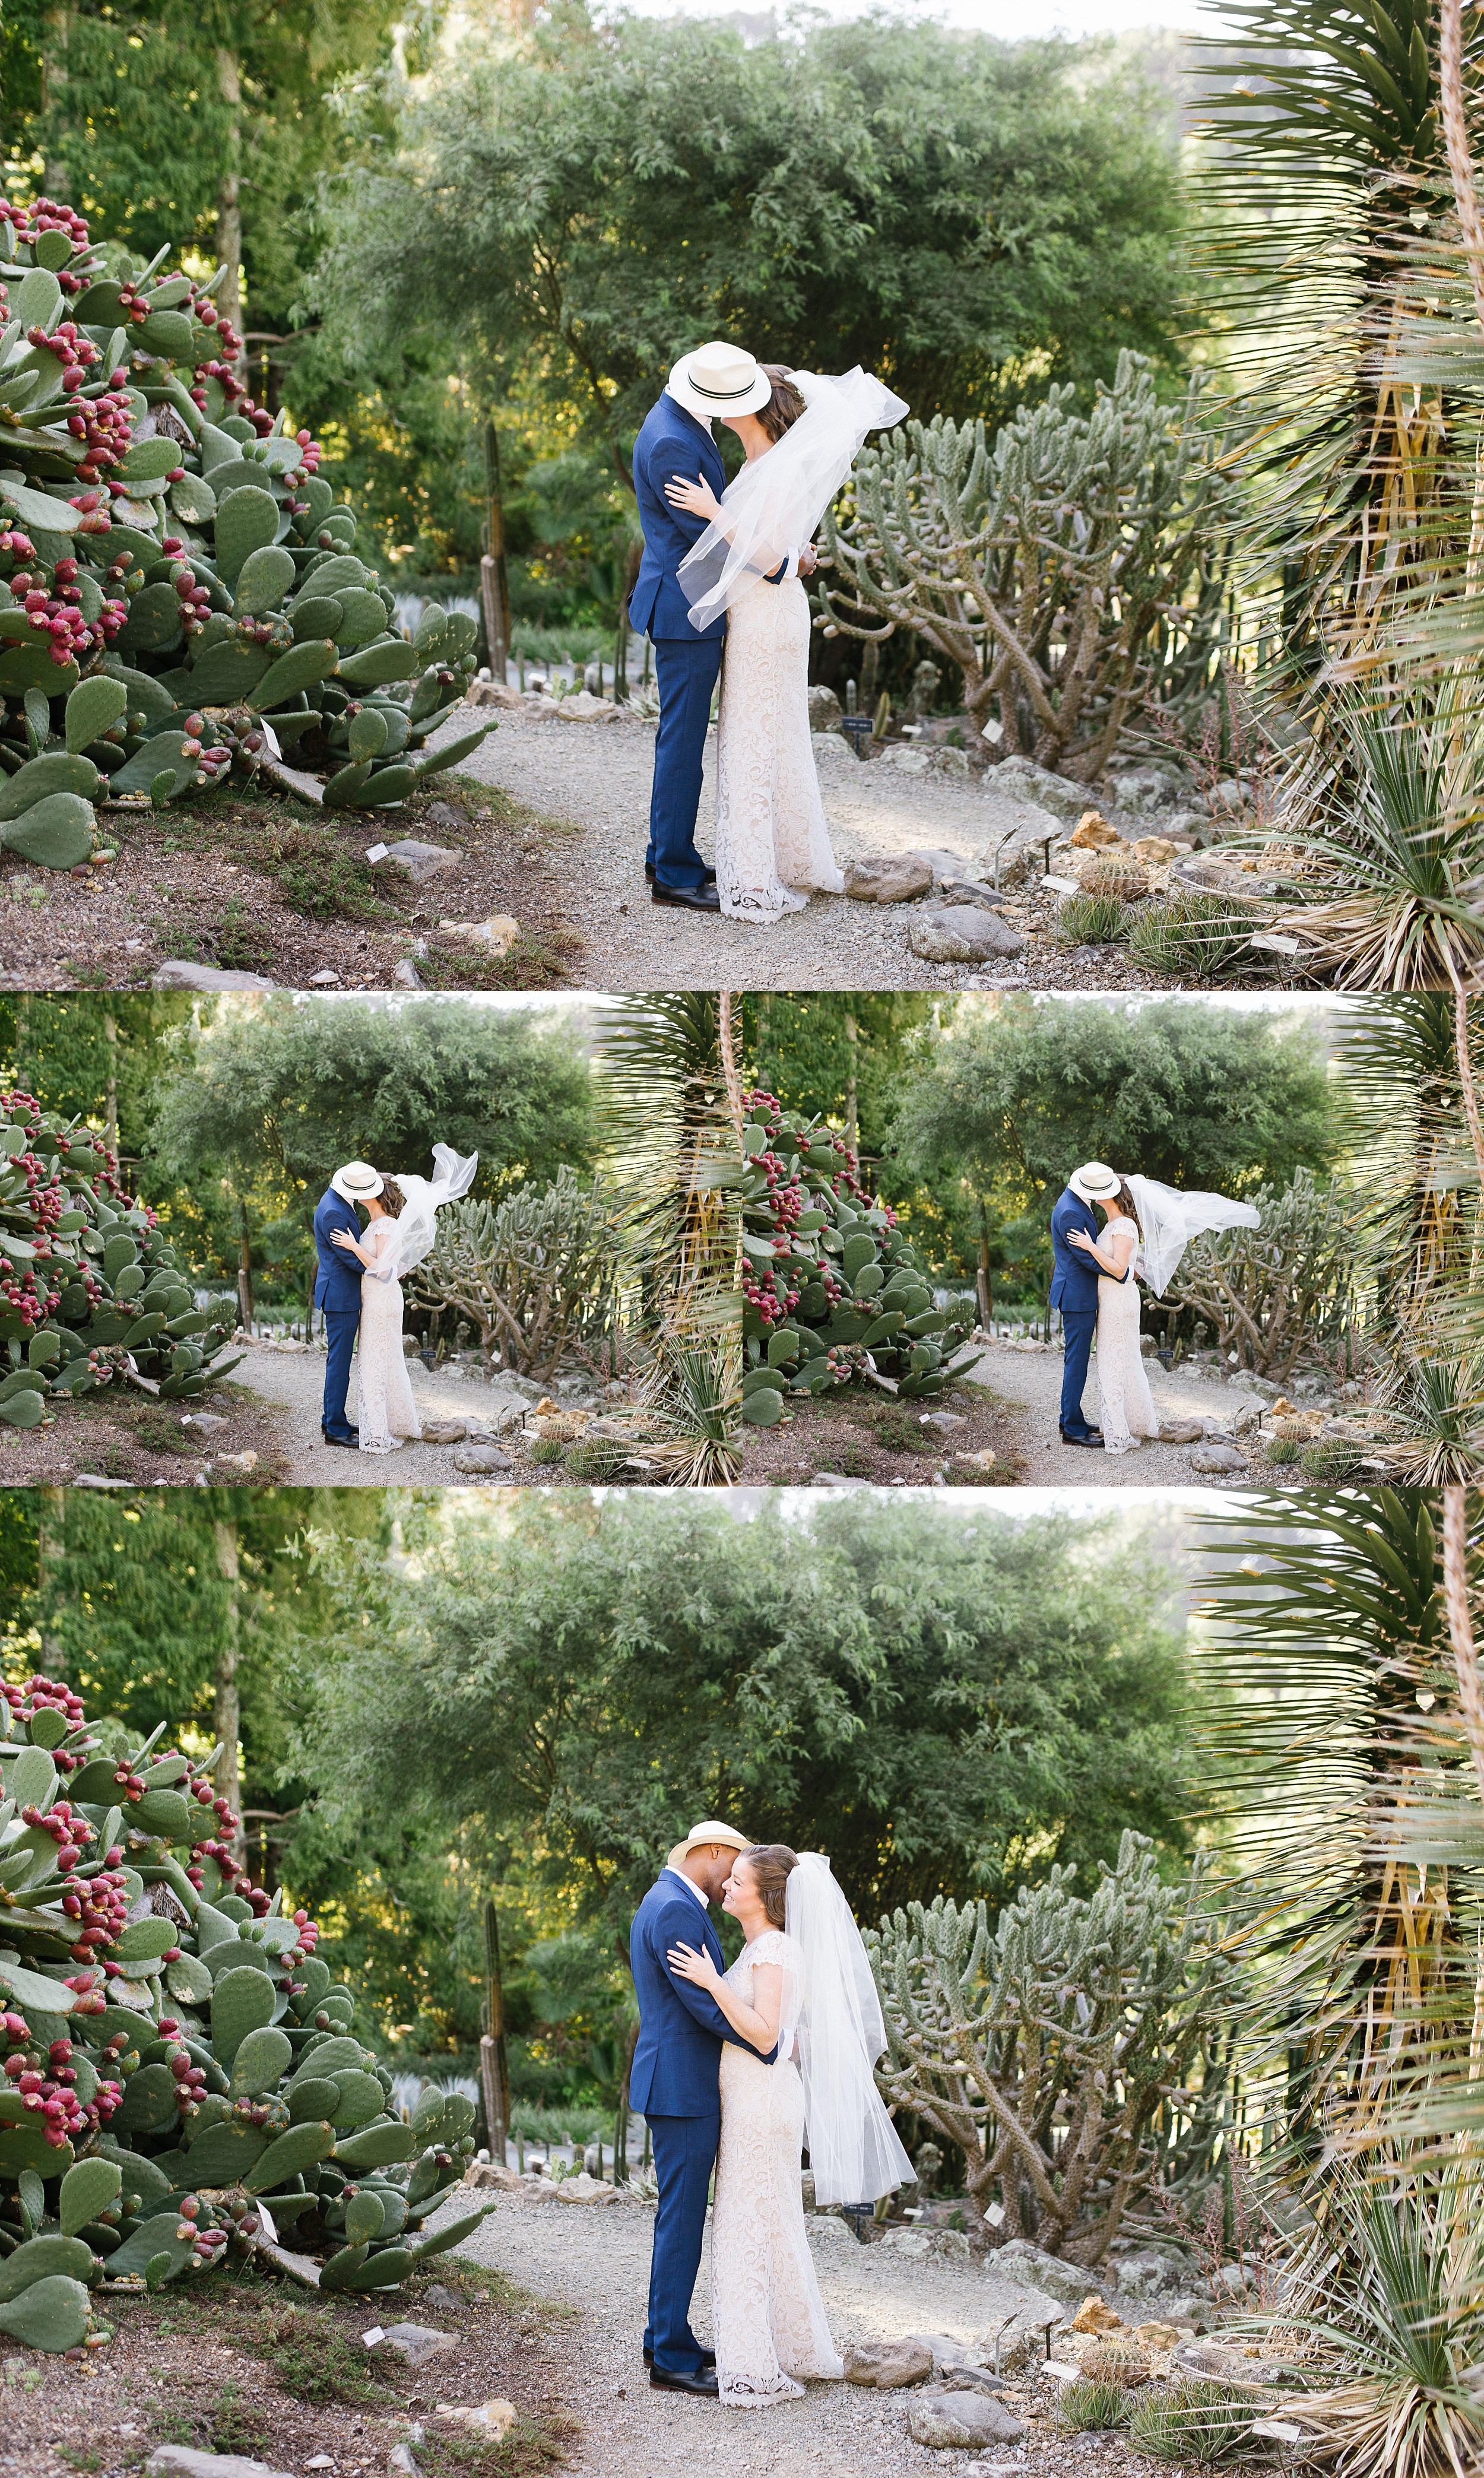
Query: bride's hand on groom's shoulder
<point>698,1967</point>
<point>1080,1239</point>
<point>697,497</point>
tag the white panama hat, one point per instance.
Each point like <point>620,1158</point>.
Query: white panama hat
<point>710,1835</point>
<point>1094,1182</point>
<point>356,1182</point>
<point>717,379</point>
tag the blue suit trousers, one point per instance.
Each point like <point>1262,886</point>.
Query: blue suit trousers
<point>686,672</point>
<point>1079,1326</point>
<point>685,2154</point>
<point>341,1328</point>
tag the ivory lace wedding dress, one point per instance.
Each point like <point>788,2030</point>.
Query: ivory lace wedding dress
<point>772,842</point>
<point>1125,1406</point>
<point>768,2317</point>
<point>388,1415</point>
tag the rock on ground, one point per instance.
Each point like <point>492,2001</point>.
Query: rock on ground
<point>960,2418</point>
<point>180,2460</point>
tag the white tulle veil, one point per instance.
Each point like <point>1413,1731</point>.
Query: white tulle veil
<point>774,504</point>
<point>854,2150</point>
<point>415,1227</point>
<point>1170,1218</point>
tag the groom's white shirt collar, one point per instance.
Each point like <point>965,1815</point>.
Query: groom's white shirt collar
<point>690,1887</point>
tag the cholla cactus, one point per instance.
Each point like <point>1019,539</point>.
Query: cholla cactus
<point>89,1293</point>
<point>1064,569</point>
<point>1046,2045</point>
<point>533,1273</point>
<point>831,1293</point>
<point>179,594</point>
<point>178,2076</point>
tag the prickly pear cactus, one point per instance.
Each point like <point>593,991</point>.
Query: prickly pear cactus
<point>179,600</point>
<point>89,1293</point>
<point>832,1292</point>
<point>179,2078</point>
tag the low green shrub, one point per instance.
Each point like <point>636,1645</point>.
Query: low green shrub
<point>1092,921</point>
<point>547,1450</point>
<point>1282,1450</point>
<point>1086,2409</point>
<point>1191,2422</point>
<point>1195,936</point>
<point>1332,1458</point>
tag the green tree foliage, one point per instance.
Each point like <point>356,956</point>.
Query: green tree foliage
<point>265,1106</point>
<point>969,218</point>
<point>99,1059</point>
<point>1191,1095</point>
<point>940,1702</point>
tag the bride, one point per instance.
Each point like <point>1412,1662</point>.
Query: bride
<point>801,1983</point>
<point>772,843</point>
<point>1148,1227</point>
<point>400,1232</point>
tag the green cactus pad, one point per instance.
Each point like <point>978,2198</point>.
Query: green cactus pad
<point>316,616</point>
<point>193,500</point>
<point>293,673</point>
<point>377,2146</point>
<point>362,616</point>
<point>187,1981</point>
<point>290,2155</point>
<point>59,771</point>
<point>57,833</point>
<point>264,577</point>
<point>363,2218</point>
<point>92,2187</point>
<point>153,2237</point>
<point>763,1409</point>
<point>453,2234</point>
<point>261,2063</point>
<point>439,760</point>
<point>149,460</point>
<point>387,2269</point>
<point>367,733</point>
<point>41,2259</point>
<point>149,2101</point>
<point>227,673</point>
<point>145,1939</point>
<point>242,2000</point>
<point>160,755</point>
<point>339,2272</point>
<point>170,333</point>
<point>375,666</point>
<point>246,521</point>
<point>51,2314</point>
<point>359,2097</point>
<point>313,2100</point>
<point>225,2153</point>
<point>344,789</point>
<point>387,784</point>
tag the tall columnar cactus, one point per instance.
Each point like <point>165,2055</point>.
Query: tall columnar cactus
<point>1066,570</point>
<point>90,1292</point>
<point>179,593</point>
<point>1046,2045</point>
<point>831,1293</point>
<point>179,2080</point>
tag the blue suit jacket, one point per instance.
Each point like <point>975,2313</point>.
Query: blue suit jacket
<point>1074,1277</point>
<point>338,1282</point>
<point>677,2061</point>
<point>673,445</point>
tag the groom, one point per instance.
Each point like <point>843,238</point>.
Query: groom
<point>1074,1290</point>
<point>675,2083</point>
<point>676,444</point>
<point>338,1290</point>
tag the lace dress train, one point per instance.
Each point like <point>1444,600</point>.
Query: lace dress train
<point>387,1414</point>
<point>772,843</point>
<point>768,2317</point>
<point>1125,1406</point>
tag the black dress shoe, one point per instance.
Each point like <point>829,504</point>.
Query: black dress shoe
<point>352,1444</point>
<point>708,2356</point>
<point>703,2384</point>
<point>688,898</point>
<point>710,876</point>
<point>352,1432</point>
<point>1088,1437</point>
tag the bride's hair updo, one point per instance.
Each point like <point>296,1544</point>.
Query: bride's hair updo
<point>392,1198</point>
<point>1124,1200</point>
<point>773,1863</point>
<point>780,413</point>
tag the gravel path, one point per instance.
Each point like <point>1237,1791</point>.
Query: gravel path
<point>597,2261</point>
<point>598,775</point>
<point>1033,1379</point>
<point>295,1380</point>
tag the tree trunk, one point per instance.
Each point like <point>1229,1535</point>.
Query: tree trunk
<point>494,582</point>
<point>982,1276</point>
<point>852,1110</point>
<point>245,1271</point>
<point>111,1120</point>
<point>226,1707</point>
<point>494,2064</point>
<point>228,197</point>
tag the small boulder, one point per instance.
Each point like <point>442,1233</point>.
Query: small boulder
<point>907,756</point>
<point>498,934</point>
<point>948,2421</point>
<point>585,2188</point>
<point>491,2421</point>
<point>183,2460</point>
<point>1181,1433</point>
<point>889,2365</point>
<point>490,2174</point>
<point>482,1459</point>
<point>825,712</point>
<point>491,693</point>
<point>1093,832</point>
<point>180,976</point>
<point>444,1432</point>
<point>962,933</point>
<point>1095,2315</point>
<point>1155,850</point>
<point>889,877</point>
<point>1213,1457</point>
<point>419,861</point>
<point>418,2342</point>
<point>1017,778</point>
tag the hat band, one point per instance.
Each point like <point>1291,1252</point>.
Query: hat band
<point>722,396</point>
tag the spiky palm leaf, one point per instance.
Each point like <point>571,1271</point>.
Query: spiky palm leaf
<point>1399,1068</point>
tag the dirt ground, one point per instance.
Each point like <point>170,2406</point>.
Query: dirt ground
<point>246,2366</point>
<point>121,1437</point>
<point>270,887</point>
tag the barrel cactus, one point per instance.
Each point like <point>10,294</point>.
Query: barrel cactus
<point>179,2078</point>
<point>90,1292</point>
<point>831,1293</point>
<point>179,594</point>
